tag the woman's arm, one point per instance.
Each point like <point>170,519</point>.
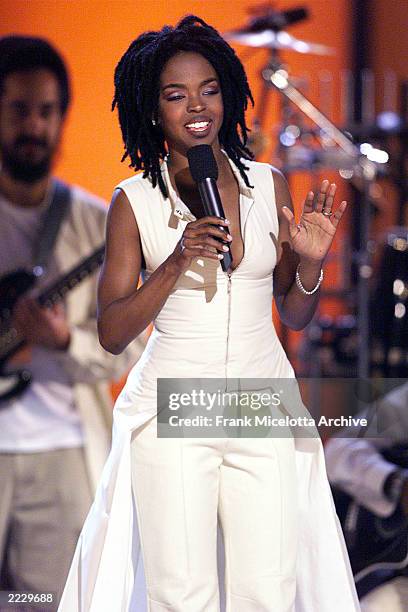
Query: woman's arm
<point>124,311</point>
<point>306,249</point>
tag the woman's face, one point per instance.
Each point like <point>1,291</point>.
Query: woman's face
<point>190,102</point>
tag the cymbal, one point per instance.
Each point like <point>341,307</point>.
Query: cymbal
<point>270,39</point>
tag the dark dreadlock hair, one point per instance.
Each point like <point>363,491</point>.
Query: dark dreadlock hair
<point>137,93</point>
<point>25,53</point>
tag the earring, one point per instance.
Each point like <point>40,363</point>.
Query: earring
<point>154,122</point>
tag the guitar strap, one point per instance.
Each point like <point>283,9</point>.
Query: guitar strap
<point>51,223</point>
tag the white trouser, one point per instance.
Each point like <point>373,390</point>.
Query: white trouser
<point>180,484</point>
<point>389,597</point>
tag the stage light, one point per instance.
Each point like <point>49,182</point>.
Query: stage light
<point>399,311</point>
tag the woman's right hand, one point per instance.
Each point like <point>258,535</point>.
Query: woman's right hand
<point>199,239</point>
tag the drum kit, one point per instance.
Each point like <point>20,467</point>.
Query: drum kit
<point>308,141</point>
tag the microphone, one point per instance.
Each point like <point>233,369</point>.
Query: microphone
<point>204,171</point>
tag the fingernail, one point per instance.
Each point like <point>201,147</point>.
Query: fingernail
<point>225,248</point>
<point>220,256</point>
<point>229,236</point>
<point>226,220</point>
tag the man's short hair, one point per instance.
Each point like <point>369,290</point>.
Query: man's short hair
<point>25,54</point>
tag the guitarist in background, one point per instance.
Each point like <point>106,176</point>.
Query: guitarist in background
<point>357,466</point>
<point>54,437</point>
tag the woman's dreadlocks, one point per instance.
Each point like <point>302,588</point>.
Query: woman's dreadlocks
<point>136,96</point>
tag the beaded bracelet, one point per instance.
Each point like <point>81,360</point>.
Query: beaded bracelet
<point>301,287</point>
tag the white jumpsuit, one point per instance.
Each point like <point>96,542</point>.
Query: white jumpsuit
<point>213,325</point>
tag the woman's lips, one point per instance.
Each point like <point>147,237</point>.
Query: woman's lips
<point>199,128</point>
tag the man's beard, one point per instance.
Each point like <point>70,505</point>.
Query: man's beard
<point>22,168</point>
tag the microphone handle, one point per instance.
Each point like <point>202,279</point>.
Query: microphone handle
<point>212,205</point>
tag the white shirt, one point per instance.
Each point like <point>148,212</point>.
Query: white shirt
<point>356,465</point>
<point>44,417</point>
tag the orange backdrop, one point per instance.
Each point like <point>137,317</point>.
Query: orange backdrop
<point>93,34</point>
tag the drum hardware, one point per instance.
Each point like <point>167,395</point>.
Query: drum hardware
<point>365,159</point>
<point>390,305</point>
<point>363,163</point>
<point>267,30</point>
<point>334,341</point>
<point>311,149</point>
<point>269,39</point>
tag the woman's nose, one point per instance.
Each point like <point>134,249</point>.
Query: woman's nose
<point>196,104</point>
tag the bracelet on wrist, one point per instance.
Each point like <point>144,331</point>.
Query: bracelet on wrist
<point>300,285</point>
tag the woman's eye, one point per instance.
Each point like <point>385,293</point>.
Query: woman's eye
<point>208,92</point>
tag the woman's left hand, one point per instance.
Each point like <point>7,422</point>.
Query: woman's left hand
<point>311,238</point>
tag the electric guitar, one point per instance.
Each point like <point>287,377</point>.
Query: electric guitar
<point>374,543</point>
<point>12,286</point>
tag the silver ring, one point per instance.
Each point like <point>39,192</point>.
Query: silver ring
<point>327,213</point>
<point>182,245</point>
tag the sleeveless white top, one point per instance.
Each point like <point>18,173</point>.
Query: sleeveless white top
<point>212,325</point>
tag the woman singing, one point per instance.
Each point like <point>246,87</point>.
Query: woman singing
<point>284,551</point>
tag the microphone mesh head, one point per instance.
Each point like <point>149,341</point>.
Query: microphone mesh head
<point>202,163</point>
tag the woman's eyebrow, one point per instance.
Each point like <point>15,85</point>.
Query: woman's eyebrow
<point>183,86</point>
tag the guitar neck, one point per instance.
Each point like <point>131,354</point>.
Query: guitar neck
<point>62,286</point>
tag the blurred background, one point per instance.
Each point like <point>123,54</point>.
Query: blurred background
<point>346,57</point>
<point>330,83</point>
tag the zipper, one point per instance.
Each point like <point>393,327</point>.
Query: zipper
<point>228,325</point>
<point>229,274</point>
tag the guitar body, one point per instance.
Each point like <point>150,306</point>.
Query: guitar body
<point>13,383</point>
<point>14,285</point>
<point>374,543</point>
